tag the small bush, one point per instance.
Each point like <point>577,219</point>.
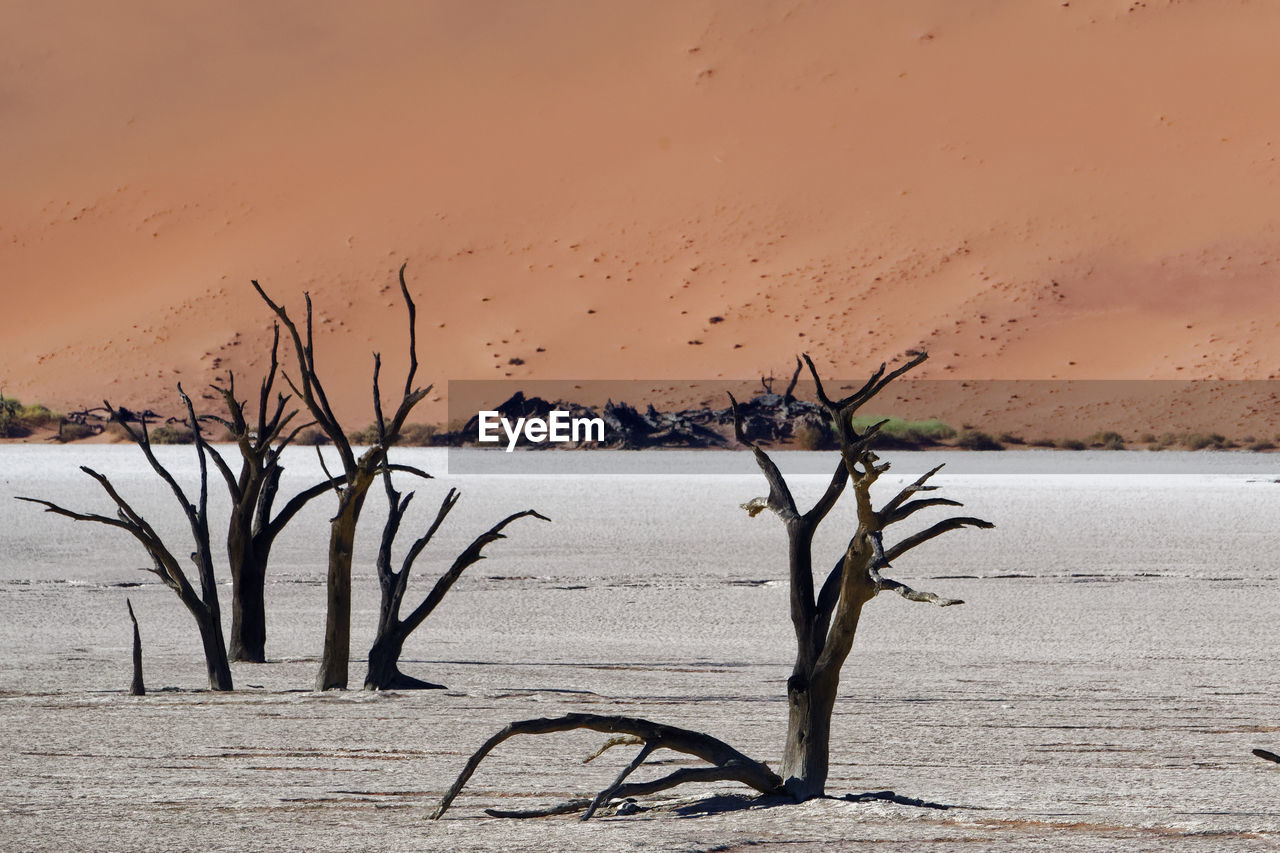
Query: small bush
<point>10,425</point>
<point>1042,442</point>
<point>172,434</point>
<point>411,435</point>
<point>1259,446</point>
<point>1010,438</point>
<point>813,433</point>
<point>972,439</point>
<point>19,421</point>
<point>1106,440</point>
<point>38,417</point>
<point>311,437</point>
<point>116,432</point>
<point>417,435</point>
<point>903,434</point>
<point>75,432</point>
<point>1071,444</point>
<point>366,436</point>
<point>1200,441</point>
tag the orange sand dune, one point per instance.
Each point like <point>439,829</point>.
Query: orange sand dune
<point>1027,189</point>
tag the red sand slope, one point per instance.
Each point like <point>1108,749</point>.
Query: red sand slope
<point>1028,189</point>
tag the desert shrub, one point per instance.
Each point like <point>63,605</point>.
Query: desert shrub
<point>116,431</point>
<point>1106,440</point>
<point>38,416</point>
<point>1259,446</point>
<point>172,434</point>
<point>10,424</point>
<point>1200,441</point>
<point>75,432</point>
<point>417,435</point>
<point>1071,444</point>
<point>812,432</point>
<point>1010,438</point>
<point>365,436</point>
<point>411,435</point>
<point>1042,442</point>
<point>901,433</point>
<point>19,421</point>
<point>311,437</point>
<point>973,439</point>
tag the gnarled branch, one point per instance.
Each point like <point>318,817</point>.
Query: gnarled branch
<point>728,763</point>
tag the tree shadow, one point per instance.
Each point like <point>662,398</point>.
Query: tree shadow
<point>718,804</point>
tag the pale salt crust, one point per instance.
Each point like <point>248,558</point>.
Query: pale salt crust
<point>1101,688</point>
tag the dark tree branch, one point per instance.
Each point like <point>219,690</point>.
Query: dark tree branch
<point>835,489</point>
<point>603,796</point>
<point>312,390</point>
<point>729,762</point>
<point>917,486</point>
<point>780,499</point>
<point>912,507</point>
<point>938,529</point>
<point>413,333</point>
<point>791,386</point>
<point>472,554</point>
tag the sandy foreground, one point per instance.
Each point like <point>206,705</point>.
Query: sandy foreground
<point>1029,190</point>
<point>1101,688</point>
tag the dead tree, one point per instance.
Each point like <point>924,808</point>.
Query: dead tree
<point>358,475</point>
<point>384,656</point>
<point>251,528</point>
<point>136,687</point>
<point>825,618</point>
<point>165,565</point>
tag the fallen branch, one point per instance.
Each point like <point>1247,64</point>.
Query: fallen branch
<point>728,764</point>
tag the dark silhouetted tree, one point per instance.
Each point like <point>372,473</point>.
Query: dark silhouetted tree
<point>824,616</point>
<point>165,564</point>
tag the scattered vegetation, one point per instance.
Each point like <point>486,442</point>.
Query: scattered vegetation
<point>412,435</point>
<point>75,432</point>
<point>311,437</point>
<point>174,433</point>
<point>813,433</point>
<point>901,434</point>
<point>19,421</point>
<point>973,439</point>
<point>1106,440</point>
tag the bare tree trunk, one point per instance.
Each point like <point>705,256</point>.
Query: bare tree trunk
<point>806,758</point>
<point>248,598</point>
<point>136,688</point>
<point>337,625</point>
<point>215,652</point>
